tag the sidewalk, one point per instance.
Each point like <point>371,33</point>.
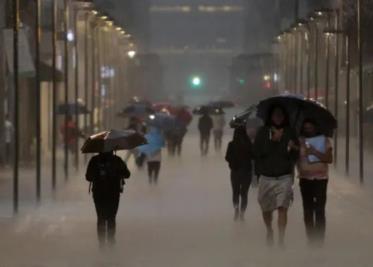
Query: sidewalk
<point>185,221</point>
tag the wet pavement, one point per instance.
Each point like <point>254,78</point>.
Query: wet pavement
<point>185,221</point>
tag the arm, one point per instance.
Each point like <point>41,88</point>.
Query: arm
<point>91,171</point>
<point>326,157</point>
<point>123,169</point>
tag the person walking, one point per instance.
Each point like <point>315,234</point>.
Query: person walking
<point>106,173</point>
<point>239,157</point>
<point>276,153</point>
<point>205,125</point>
<point>218,128</point>
<point>316,153</point>
<point>154,166</point>
<point>152,152</point>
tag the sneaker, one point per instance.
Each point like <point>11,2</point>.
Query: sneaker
<point>270,238</point>
<point>236,214</point>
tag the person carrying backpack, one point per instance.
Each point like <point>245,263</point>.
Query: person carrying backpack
<point>106,173</point>
<point>239,156</point>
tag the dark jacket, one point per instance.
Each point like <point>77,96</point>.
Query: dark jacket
<point>205,124</point>
<point>107,173</point>
<point>239,156</point>
<point>273,159</point>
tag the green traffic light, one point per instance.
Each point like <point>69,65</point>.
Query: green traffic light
<point>196,82</point>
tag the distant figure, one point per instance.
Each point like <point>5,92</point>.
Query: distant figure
<point>239,156</point>
<point>106,172</point>
<point>70,133</point>
<point>276,153</point>
<point>313,183</point>
<point>135,124</point>
<point>218,129</point>
<point>154,166</point>
<point>8,137</point>
<point>152,153</point>
<point>205,125</point>
<point>176,137</point>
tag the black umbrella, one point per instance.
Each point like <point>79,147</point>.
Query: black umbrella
<point>246,118</point>
<point>72,108</point>
<point>136,110</point>
<point>112,141</point>
<point>222,104</point>
<point>207,109</point>
<point>298,109</point>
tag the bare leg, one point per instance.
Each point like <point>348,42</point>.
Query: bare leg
<point>282,222</point>
<point>268,217</point>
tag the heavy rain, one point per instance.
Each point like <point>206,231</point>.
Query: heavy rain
<point>187,133</point>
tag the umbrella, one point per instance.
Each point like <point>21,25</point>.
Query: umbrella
<point>368,116</point>
<point>136,110</point>
<point>247,119</point>
<point>298,109</point>
<point>72,108</point>
<point>155,141</point>
<point>164,106</point>
<point>113,140</point>
<point>161,120</point>
<point>140,101</point>
<point>206,109</point>
<point>221,104</point>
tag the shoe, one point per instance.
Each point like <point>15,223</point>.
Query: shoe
<point>236,214</point>
<point>270,238</point>
<point>242,216</point>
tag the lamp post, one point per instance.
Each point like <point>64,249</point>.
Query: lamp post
<point>360,89</point>
<point>38,99</point>
<point>66,81</point>
<point>16,25</point>
<point>346,36</point>
<point>54,97</point>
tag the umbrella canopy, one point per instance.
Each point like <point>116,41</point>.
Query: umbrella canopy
<point>136,110</point>
<point>222,104</point>
<point>139,100</point>
<point>155,141</point>
<point>113,140</point>
<point>206,109</point>
<point>298,109</point>
<point>161,120</point>
<point>72,108</point>
<point>247,119</point>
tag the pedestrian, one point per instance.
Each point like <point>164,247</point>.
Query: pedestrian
<point>154,166</point>
<point>106,173</point>
<point>239,156</point>
<point>152,152</point>
<point>8,137</point>
<point>218,128</point>
<point>276,153</point>
<point>316,153</point>
<point>205,125</point>
<point>70,133</point>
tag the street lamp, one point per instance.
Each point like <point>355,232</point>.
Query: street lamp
<point>348,92</point>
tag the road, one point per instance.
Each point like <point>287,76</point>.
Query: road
<point>186,221</point>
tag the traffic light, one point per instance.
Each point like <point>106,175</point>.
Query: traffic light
<point>196,82</point>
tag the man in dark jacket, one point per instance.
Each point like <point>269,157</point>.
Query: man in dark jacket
<point>106,172</point>
<point>276,152</point>
<point>205,125</point>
